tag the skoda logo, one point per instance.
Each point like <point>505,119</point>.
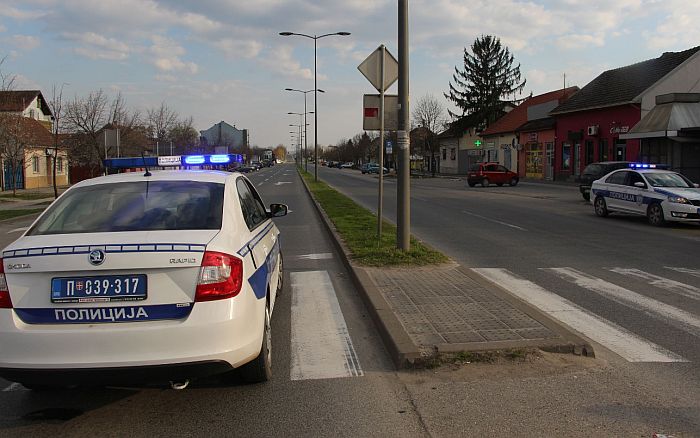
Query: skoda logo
<point>96,257</point>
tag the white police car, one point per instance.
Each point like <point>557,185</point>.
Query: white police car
<point>135,278</point>
<point>643,189</point>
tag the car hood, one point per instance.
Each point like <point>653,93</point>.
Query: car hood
<point>687,193</point>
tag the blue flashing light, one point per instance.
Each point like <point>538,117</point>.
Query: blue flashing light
<point>219,159</point>
<point>195,159</point>
<point>642,166</point>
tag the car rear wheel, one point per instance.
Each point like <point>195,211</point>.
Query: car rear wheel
<point>485,182</point>
<point>513,182</point>
<point>601,208</point>
<point>655,215</point>
<point>260,369</point>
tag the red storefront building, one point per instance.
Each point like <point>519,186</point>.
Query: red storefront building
<point>589,124</point>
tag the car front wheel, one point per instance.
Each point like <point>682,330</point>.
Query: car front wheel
<point>655,215</point>
<point>485,182</point>
<point>601,209</point>
<point>513,182</point>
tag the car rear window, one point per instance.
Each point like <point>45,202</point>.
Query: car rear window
<point>593,169</point>
<point>475,167</point>
<point>135,206</point>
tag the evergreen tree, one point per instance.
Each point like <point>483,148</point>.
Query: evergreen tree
<point>488,79</point>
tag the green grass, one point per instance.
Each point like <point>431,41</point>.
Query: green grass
<point>28,196</point>
<point>9,214</point>
<point>358,228</point>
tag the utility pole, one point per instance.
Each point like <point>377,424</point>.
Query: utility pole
<point>403,189</point>
<point>380,200</point>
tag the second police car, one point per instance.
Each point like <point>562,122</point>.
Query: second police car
<point>644,189</point>
<point>131,277</point>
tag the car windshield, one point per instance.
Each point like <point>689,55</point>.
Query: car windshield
<point>668,180</point>
<point>135,206</point>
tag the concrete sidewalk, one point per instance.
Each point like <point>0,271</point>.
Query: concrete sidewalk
<point>423,312</point>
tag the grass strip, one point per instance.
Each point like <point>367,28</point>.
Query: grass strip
<point>9,214</point>
<point>358,228</point>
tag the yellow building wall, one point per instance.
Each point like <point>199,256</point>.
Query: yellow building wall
<point>42,178</point>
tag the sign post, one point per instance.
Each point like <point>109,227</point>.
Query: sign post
<point>382,70</point>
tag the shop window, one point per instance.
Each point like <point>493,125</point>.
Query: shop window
<point>603,153</point>
<point>453,154</point>
<point>35,164</point>
<point>589,151</point>
<point>566,156</point>
<point>444,153</point>
<point>59,165</point>
<point>620,150</point>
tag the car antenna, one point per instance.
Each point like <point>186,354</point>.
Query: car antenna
<point>145,165</point>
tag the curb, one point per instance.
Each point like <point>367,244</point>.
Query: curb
<point>404,353</point>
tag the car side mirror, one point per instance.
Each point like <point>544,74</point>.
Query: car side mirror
<point>640,184</point>
<point>278,210</point>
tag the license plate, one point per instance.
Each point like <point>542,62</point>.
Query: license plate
<point>103,288</point>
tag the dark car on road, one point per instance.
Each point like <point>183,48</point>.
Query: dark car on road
<point>596,171</point>
<point>491,173</point>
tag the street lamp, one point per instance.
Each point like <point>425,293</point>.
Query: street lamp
<point>304,125</point>
<point>306,141</point>
<point>315,38</point>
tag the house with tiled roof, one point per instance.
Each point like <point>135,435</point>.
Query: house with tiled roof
<point>591,126</point>
<point>500,140</point>
<point>27,152</point>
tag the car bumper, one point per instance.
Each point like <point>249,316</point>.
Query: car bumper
<point>675,212</point>
<point>217,332</point>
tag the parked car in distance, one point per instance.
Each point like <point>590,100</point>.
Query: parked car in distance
<point>246,168</point>
<point>488,173</point>
<point>372,168</point>
<point>596,171</point>
<point>348,165</point>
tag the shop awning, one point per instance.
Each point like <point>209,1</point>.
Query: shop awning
<point>673,115</point>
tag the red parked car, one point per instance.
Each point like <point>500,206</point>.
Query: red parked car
<point>491,173</point>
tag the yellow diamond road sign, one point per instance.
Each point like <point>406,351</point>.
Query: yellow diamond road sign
<point>371,69</point>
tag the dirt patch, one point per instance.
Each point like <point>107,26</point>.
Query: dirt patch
<point>510,365</point>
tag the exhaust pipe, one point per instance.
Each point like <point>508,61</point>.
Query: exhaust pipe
<point>179,386</point>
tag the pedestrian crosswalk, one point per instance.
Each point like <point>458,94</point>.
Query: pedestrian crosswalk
<point>656,299</point>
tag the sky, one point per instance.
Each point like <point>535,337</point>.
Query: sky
<point>220,60</point>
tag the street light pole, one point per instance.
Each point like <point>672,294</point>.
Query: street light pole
<point>315,38</point>
<point>306,161</point>
<point>403,211</point>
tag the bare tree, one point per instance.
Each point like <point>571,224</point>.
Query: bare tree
<point>7,83</point>
<point>86,117</point>
<point>161,121</point>
<point>56,106</point>
<point>183,135</point>
<point>7,80</point>
<point>15,138</point>
<point>429,113</point>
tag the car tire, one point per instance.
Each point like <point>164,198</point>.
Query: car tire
<point>485,182</point>
<point>655,215</point>
<point>601,208</point>
<point>260,369</point>
<point>280,278</point>
<point>513,182</point>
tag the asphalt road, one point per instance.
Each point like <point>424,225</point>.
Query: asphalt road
<point>555,395</point>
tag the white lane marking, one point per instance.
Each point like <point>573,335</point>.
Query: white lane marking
<point>672,315</point>
<point>694,272</point>
<point>15,387</point>
<point>321,256</point>
<point>495,221</point>
<point>17,230</point>
<point>279,183</point>
<point>686,290</point>
<point>321,344</point>
<point>619,340</point>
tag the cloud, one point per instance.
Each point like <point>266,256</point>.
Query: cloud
<point>577,41</point>
<point>19,14</point>
<point>234,48</point>
<point>165,55</point>
<point>678,29</point>
<point>96,46</point>
<point>281,61</point>
<point>22,42</point>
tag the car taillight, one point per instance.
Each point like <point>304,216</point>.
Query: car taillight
<point>5,300</point>
<point>220,277</point>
